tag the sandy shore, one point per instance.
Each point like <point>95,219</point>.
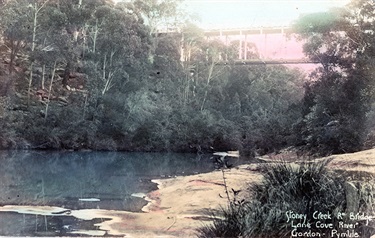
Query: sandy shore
<point>175,209</point>
<point>180,204</point>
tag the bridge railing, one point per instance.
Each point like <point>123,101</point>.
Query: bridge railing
<point>248,31</point>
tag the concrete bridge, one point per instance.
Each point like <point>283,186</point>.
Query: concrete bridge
<point>262,45</point>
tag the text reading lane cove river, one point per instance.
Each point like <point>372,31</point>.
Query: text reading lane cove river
<point>326,224</point>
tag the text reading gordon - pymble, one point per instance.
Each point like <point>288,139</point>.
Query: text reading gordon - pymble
<point>321,225</point>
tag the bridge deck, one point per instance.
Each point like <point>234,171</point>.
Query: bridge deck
<point>260,62</point>
<point>248,31</point>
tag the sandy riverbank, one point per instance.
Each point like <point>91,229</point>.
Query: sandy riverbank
<point>180,204</point>
<point>175,209</point>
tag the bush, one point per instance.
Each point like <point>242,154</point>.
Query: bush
<point>303,189</point>
<point>226,223</point>
<point>335,110</point>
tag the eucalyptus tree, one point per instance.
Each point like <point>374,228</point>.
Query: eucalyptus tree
<point>192,40</point>
<point>262,101</point>
<point>78,15</point>
<point>214,52</point>
<point>22,31</point>
<point>342,40</point>
<point>120,47</point>
<point>158,14</point>
<point>36,7</point>
<point>16,22</point>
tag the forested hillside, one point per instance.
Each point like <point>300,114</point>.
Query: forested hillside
<point>91,74</point>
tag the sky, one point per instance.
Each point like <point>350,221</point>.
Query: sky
<point>222,14</point>
<point>255,13</point>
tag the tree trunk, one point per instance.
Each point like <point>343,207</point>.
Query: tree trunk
<point>107,77</point>
<point>35,21</point>
<point>66,74</point>
<point>30,83</point>
<point>32,50</point>
<point>95,36</point>
<point>208,83</point>
<point>43,75</point>
<point>13,52</point>
<point>50,89</point>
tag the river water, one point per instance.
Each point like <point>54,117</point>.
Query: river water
<point>82,180</point>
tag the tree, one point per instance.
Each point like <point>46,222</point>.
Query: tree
<point>266,99</point>
<point>15,26</point>
<point>78,15</point>
<point>36,9</point>
<point>214,53</point>
<point>342,41</point>
<point>158,14</point>
<point>120,46</point>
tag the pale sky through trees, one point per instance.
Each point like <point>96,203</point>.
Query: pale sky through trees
<point>254,13</point>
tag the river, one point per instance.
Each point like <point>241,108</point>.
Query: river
<point>82,180</point>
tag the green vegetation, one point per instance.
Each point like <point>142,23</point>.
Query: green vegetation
<point>337,114</point>
<point>302,189</point>
<point>94,75</point>
<point>77,74</point>
<point>336,117</point>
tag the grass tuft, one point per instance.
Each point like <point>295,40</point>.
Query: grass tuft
<point>301,188</point>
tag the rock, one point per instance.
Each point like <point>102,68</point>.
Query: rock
<point>352,197</point>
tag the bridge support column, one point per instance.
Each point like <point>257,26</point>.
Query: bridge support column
<point>226,44</point>
<point>265,44</point>
<point>245,48</point>
<point>240,47</point>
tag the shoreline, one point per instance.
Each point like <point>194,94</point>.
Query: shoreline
<point>175,209</point>
<point>179,205</point>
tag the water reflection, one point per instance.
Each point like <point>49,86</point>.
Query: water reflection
<point>62,178</point>
<point>14,224</point>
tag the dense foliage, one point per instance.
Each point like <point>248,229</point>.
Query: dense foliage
<point>337,104</point>
<point>337,116</point>
<point>79,74</point>
<point>94,75</point>
<point>302,189</point>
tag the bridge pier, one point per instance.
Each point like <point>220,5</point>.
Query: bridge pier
<point>269,43</point>
<point>243,49</point>
<point>240,47</point>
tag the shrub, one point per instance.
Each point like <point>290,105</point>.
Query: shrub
<point>303,189</point>
<point>334,115</point>
<point>226,223</point>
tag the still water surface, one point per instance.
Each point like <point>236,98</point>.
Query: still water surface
<point>64,179</point>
